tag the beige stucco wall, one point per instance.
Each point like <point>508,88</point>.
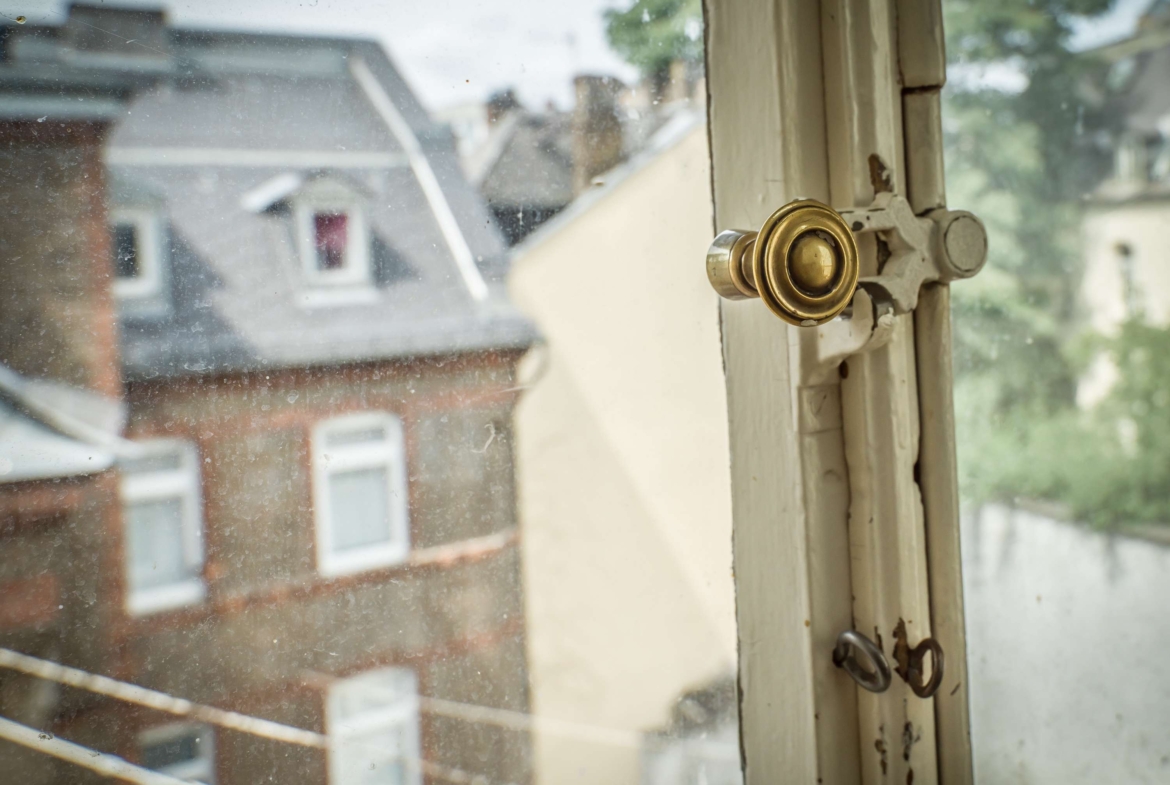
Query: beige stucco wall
<point>623,466</point>
<point>1143,227</point>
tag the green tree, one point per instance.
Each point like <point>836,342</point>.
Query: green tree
<point>1021,159</point>
<point>651,34</point>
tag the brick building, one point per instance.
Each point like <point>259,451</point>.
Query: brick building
<point>259,254</point>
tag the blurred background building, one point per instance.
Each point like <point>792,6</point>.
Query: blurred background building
<point>626,514</point>
<point>259,370</point>
<point>258,255</point>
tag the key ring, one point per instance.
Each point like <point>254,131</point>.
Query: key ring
<point>914,669</point>
<point>876,678</point>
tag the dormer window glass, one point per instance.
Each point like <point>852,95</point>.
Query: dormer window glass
<point>334,242</point>
<point>135,247</point>
<point>331,236</point>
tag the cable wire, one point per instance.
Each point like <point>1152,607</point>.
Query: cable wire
<point>99,762</point>
<point>160,701</point>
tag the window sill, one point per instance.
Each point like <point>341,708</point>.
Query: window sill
<point>329,295</point>
<point>165,598</point>
<point>363,561</point>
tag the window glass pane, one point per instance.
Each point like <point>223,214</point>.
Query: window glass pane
<point>329,236</point>
<point>161,462</point>
<point>180,749</point>
<point>359,508</point>
<point>427,432</point>
<point>362,436</point>
<point>1055,137</point>
<point>183,752</point>
<point>155,543</point>
<point>371,693</point>
<point>125,247</point>
<point>373,758</point>
<point>375,720</point>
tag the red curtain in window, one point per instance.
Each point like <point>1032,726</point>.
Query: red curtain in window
<point>330,233</point>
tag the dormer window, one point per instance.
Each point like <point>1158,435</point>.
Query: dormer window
<point>331,233</point>
<point>136,250</point>
<point>334,243</point>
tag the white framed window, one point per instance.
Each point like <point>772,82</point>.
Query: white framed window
<point>360,493</point>
<point>333,241</point>
<point>183,750</point>
<point>163,524</point>
<point>372,723</point>
<point>136,248</point>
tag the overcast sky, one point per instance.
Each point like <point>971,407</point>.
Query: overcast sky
<point>458,50</point>
<point>450,50</point>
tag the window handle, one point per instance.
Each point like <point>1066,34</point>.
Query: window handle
<point>803,262</point>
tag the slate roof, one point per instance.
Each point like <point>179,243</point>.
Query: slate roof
<point>50,431</point>
<point>674,125</point>
<point>1142,103</point>
<point>1132,96</point>
<point>32,451</point>
<point>527,161</point>
<point>232,112</point>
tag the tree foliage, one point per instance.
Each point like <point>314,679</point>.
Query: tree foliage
<point>651,34</point>
<point>1023,158</point>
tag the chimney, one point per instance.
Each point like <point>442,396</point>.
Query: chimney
<point>596,129</point>
<point>500,104</point>
<point>57,314</point>
<point>58,318</point>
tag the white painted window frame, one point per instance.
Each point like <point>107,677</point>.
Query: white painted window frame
<point>147,225</point>
<point>355,269</point>
<point>202,769</point>
<point>403,713</point>
<point>833,530</point>
<point>390,454</point>
<point>183,483</point>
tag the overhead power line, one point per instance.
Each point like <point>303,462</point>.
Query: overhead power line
<point>160,701</point>
<point>99,762</point>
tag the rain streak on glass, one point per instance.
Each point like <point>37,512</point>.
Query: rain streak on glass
<point>325,452</point>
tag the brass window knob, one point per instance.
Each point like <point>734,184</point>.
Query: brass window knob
<point>802,263</point>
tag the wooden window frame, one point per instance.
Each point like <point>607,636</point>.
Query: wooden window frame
<point>390,454</point>
<point>844,487</point>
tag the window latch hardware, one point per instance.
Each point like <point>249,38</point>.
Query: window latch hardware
<point>803,262</point>
<point>877,677</point>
